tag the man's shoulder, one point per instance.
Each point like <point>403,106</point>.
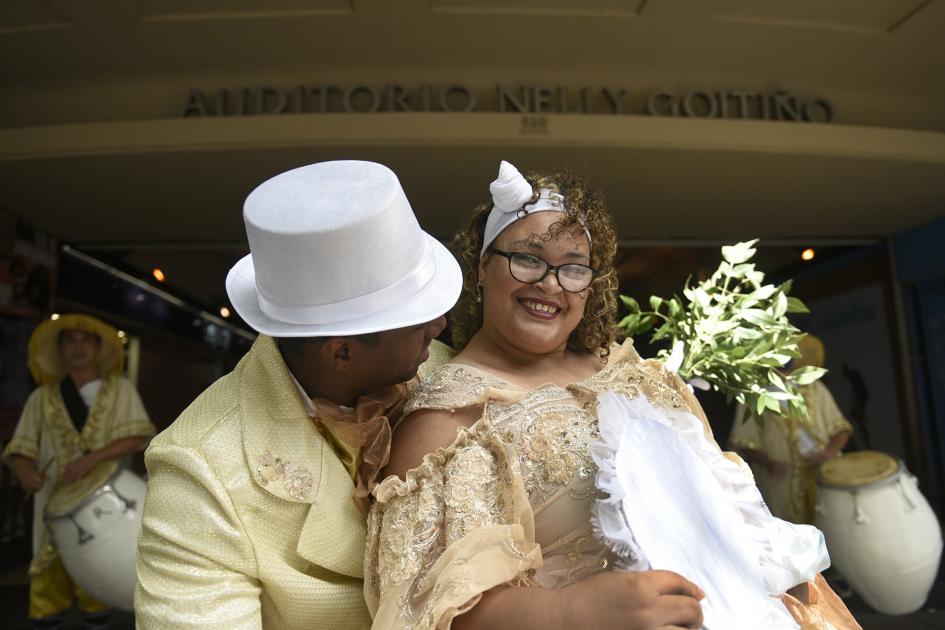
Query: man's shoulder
<point>214,410</point>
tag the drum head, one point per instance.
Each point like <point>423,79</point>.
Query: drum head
<point>857,469</point>
<point>68,497</point>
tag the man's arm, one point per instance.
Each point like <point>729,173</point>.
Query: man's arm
<point>77,469</point>
<point>777,468</point>
<point>834,446</point>
<point>31,479</point>
<point>196,566</point>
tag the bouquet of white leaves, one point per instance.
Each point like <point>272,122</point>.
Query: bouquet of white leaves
<point>733,333</point>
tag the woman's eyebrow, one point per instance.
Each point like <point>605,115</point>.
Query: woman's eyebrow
<point>530,243</point>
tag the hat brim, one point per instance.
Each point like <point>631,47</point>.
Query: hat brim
<point>435,299</point>
<point>45,362</point>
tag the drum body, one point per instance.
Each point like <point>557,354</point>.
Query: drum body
<point>881,533</point>
<point>97,538</point>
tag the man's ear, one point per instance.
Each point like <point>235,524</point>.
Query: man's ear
<point>336,353</point>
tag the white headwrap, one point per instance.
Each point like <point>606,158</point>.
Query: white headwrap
<point>510,192</point>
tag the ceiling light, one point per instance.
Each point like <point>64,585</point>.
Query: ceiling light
<point>158,274</point>
<point>808,254</point>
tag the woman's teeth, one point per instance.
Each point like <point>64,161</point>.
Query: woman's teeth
<point>541,308</point>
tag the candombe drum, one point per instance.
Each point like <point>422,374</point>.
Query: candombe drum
<point>94,524</point>
<point>881,533</point>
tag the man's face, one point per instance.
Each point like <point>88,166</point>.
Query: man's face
<point>395,355</point>
<point>78,348</point>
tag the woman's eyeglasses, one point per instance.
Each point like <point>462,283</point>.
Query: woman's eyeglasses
<point>529,269</point>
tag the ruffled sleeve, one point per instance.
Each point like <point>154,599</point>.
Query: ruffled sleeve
<point>458,526</point>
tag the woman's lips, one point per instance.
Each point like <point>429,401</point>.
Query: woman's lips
<point>540,309</point>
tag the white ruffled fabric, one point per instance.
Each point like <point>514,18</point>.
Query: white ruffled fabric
<point>711,525</point>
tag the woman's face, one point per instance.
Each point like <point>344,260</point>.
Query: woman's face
<point>537,317</point>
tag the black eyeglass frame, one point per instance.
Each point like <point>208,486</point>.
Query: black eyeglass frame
<point>549,268</point>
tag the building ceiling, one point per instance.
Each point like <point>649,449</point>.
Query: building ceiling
<point>94,149</point>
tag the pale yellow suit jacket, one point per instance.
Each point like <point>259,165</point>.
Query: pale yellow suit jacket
<point>249,520</point>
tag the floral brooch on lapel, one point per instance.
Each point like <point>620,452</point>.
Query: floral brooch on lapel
<point>297,480</point>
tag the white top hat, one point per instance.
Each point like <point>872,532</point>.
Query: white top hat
<point>336,250</point>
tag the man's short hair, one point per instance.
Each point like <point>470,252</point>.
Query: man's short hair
<point>295,346</point>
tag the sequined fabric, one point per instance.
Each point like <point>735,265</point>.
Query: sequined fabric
<point>510,501</point>
<point>249,520</point>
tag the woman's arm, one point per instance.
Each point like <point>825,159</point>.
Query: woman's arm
<point>423,432</point>
<point>644,600</point>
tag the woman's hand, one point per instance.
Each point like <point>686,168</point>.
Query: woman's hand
<point>645,600</point>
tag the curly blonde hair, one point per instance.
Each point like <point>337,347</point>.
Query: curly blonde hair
<point>597,329</point>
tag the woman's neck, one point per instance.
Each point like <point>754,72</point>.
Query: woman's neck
<point>523,366</point>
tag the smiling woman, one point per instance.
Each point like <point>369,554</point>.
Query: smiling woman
<point>489,518</point>
<point>583,213</point>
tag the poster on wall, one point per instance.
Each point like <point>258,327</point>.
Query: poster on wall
<point>856,334</point>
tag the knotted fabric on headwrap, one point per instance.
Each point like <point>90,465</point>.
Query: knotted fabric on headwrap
<point>510,192</point>
<point>361,437</point>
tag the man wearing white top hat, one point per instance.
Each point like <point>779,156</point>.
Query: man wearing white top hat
<point>254,513</point>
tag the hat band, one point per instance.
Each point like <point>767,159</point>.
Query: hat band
<point>361,306</point>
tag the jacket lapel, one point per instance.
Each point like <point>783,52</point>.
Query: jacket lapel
<point>290,459</point>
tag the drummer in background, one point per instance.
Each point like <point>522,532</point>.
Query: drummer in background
<point>785,453</point>
<point>83,414</point>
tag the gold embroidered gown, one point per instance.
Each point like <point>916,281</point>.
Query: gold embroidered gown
<point>511,500</point>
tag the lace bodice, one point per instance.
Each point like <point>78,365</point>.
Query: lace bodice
<point>525,464</point>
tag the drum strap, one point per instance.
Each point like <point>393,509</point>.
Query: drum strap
<point>78,411</point>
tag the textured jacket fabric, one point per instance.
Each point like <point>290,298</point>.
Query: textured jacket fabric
<point>249,520</point>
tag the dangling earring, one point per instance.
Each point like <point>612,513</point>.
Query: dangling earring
<point>479,293</point>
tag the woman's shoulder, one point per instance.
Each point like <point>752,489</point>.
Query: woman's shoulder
<point>453,386</point>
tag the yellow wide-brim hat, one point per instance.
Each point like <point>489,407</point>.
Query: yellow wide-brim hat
<point>45,361</point>
<point>812,352</point>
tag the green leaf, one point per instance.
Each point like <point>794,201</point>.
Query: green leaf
<point>780,305</point>
<point>762,293</point>
<point>702,297</point>
<point>738,253</point>
<point>655,302</point>
<point>760,404</point>
<point>630,323</point>
<point>807,374</point>
<point>795,305</point>
<point>756,316</point>
<point>645,324</point>
<point>630,303</point>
